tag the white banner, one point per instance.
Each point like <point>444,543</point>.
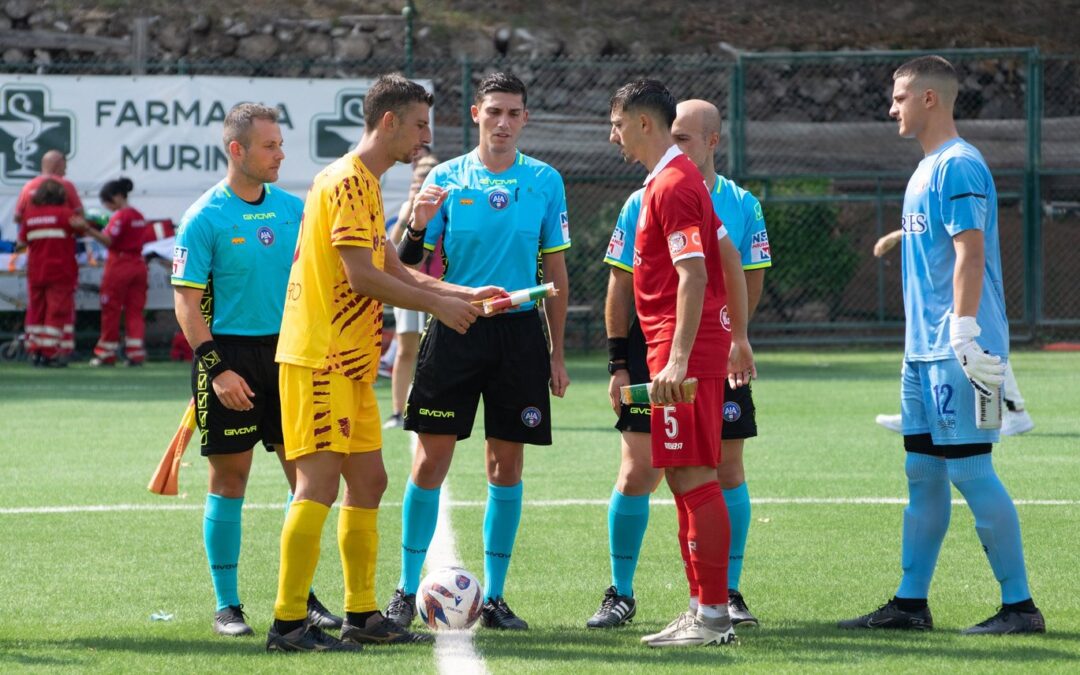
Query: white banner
<point>164,133</point>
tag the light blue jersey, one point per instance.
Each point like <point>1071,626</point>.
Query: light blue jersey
<point>737,209</point>
<point>493,225</point>
<point>246,250</point>
<point>951,191</point>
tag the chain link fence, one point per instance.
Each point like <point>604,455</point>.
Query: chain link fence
<point>810,135</point>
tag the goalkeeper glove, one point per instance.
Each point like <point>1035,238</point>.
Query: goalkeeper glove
<point>985,372</point>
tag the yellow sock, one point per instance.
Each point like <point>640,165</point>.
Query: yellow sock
<point>299,556</point>
<point>358,539</point>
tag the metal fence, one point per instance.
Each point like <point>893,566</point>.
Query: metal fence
<point>809,134</point>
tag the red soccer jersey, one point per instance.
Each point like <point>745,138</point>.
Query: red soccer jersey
<point>23,202</point>
<point>677,222</point>
<point>51,242</point>
<point>128,230</point>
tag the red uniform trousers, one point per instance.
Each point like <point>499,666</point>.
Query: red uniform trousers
<point>123,290</point>
<point>48,309</point>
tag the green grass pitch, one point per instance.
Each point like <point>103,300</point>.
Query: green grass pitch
<point>80,587</point>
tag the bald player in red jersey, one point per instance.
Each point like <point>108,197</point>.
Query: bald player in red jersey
<point>684,265</point>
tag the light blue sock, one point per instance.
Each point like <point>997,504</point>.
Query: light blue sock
<point>628,517</point>
<point>738,507</point>
<point>419,515</point>
<point>221,536</point>
<point>926,520</point>
<point>996,522</point>
<point>500,529</point>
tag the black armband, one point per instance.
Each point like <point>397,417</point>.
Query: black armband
<point>618,349</point>
<point>209,359</point>
<point>410,251</point>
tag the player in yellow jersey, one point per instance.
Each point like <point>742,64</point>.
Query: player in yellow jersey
<point>329,352</point>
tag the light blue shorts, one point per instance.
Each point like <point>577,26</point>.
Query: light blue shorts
<point>937,399</point>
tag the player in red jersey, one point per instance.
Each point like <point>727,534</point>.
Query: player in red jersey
<point>123,286</point>
<point>683,265</point>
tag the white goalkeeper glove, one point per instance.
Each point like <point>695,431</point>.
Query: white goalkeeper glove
<point>985,372</point>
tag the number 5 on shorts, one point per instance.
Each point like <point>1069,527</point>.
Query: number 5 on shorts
<point>671,424</point>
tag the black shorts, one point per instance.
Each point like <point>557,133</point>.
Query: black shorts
<point>739,411</point>
<point>504,359</point>
<point>636,417</point>
<point>227,431</point>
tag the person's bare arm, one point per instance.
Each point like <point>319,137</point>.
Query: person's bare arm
<point>741,357</point>
<point>231,389</point>
<point>555,312</point>
<point>693,277</point>
<point>887,243</point>
<point>755,282</point>
<point>968,272</point>
<point>618,308</point>
<point>366,279</point>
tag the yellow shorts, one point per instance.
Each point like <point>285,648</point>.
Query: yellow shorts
<point>327,412</point>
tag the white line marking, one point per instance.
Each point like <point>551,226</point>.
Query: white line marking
<point>447,503</point>
<point>454,650</point>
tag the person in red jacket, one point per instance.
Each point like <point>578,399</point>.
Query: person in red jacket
<point>48,226</point>
<point>123,286</point>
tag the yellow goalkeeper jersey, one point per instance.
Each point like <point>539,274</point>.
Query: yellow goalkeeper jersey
<point>326,325</point>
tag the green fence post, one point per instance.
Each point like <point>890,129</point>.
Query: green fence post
<point>1033,253</point>
<point>737,123</point>
<point>466,104</point>
<point>408,11</point>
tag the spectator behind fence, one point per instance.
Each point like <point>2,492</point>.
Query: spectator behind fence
<point>48,227</point>
<point>123,285</point>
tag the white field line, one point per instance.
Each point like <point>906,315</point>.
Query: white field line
<point>454,650</point>
<point>446,503</point>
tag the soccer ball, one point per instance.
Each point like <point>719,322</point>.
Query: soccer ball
<point>449,599</point>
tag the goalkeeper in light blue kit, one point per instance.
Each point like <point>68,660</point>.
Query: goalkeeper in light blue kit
<point>955,350</point>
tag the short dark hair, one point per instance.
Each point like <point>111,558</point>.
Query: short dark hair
<point>933,66</point>
<point>504,82</point>
<point>121,186</point>
<point>241,118</point>
<point>49,193</point>
<point>647,95</point>
<point>392,93</point>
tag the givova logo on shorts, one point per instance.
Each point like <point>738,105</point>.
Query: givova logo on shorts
<point>29,127</point>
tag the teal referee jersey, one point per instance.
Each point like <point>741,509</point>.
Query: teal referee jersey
<point>247,249</point>
<point>494,225</point>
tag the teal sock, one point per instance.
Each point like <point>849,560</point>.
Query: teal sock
<point>926,520</point>
<point>737,500</point>
<point>628,517</point>
<point>221,536</point>
<point>996,522</point>
<point>500,529</point>
<point>419,515</point>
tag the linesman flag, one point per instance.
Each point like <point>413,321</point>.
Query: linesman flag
<point>166,478</point>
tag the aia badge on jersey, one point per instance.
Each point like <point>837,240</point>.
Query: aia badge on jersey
<point>265,235</point>
<point>499,199</point>
<point>179,261</point>
<point>685,244</point>
<point>530,417</point>
<point>759,248</point>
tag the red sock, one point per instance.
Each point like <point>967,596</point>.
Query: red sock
<point>684,544</point>
<point>708,539</point>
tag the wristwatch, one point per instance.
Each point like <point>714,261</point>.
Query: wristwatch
<point>615,366</point>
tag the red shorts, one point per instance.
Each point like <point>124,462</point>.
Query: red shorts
<point>688,434</point>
